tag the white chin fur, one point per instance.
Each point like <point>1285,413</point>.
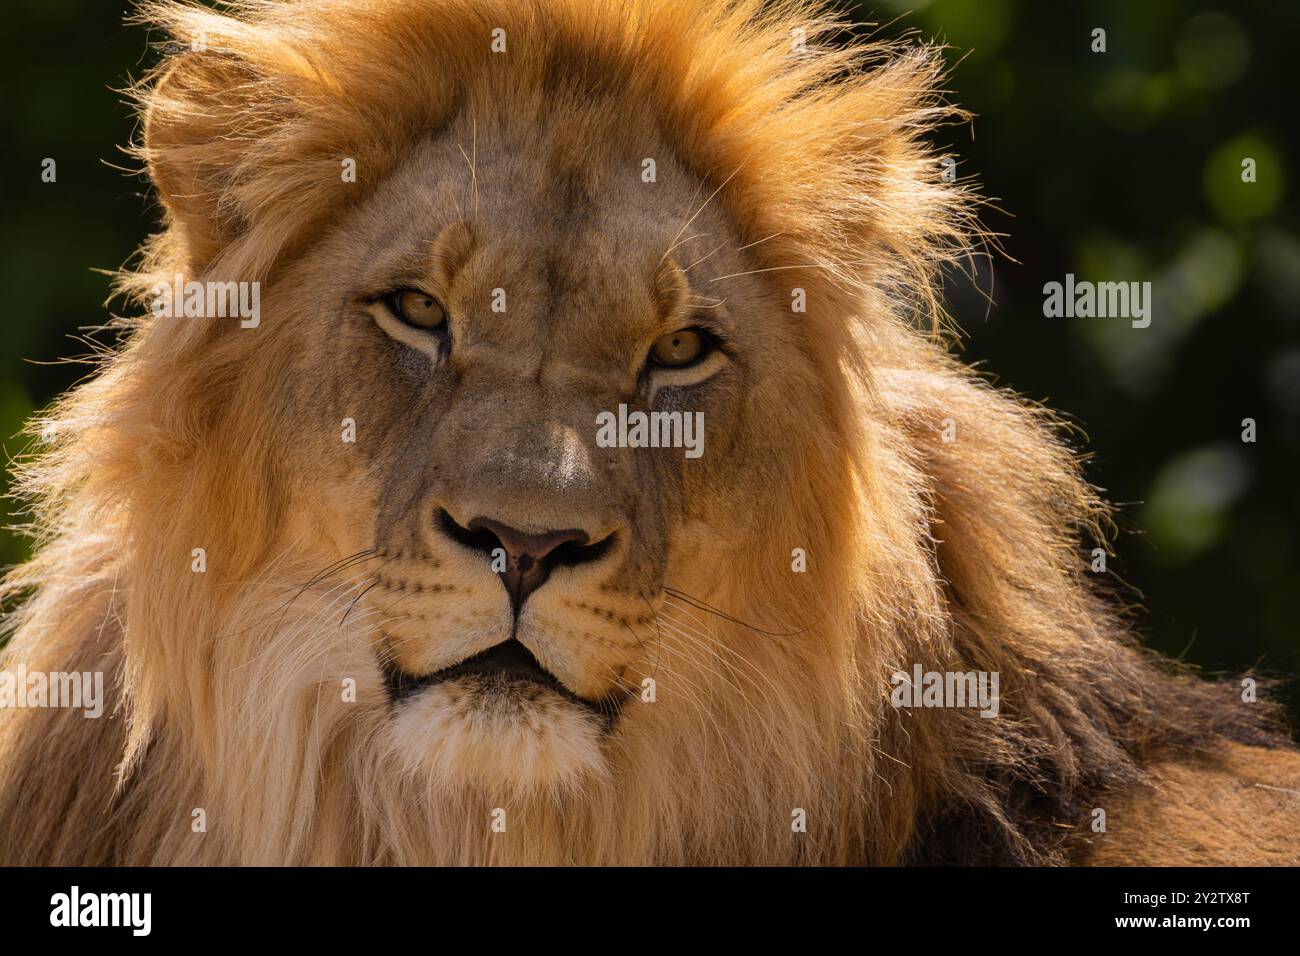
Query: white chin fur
<point>523,739</point>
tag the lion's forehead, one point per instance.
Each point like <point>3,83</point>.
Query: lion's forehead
<point>622,212</point>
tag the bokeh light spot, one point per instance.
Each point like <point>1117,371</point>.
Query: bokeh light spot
<point>1213,51</point>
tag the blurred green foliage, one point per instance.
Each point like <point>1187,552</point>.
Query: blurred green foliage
<point>1117,166</point>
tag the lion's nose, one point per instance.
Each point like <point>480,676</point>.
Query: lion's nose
<point>529,557</point>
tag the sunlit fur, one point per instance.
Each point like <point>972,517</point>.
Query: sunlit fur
<point>970,554</point>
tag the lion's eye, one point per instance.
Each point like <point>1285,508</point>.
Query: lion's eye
<point>680,349</point>
<point>417,309</point>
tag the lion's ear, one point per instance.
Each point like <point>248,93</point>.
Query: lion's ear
<point>196,138</point>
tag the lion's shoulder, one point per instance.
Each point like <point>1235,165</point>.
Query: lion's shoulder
<point>1241,808</point>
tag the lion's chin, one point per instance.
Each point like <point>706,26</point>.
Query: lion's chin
<point>499,735</point>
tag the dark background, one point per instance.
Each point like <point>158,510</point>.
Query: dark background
<point>1115,166</point>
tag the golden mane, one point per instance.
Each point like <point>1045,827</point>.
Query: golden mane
<point>960,555</point>
<point>820,146</point>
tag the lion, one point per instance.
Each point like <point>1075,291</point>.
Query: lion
<point>371,584</point>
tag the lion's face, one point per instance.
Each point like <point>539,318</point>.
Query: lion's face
<point>481,319</point>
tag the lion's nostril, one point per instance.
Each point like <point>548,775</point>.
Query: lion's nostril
<point>479,540</point>
<point>525,548</point>
<point>530,557</point>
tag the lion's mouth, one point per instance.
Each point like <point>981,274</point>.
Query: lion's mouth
<point>506,664</point>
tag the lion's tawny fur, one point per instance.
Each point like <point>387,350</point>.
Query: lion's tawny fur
<point>960,555</point>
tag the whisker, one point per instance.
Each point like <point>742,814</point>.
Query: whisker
<point>706,642</point>
<point>703,205</point>
<point>362,593</point>
<point>701,605</point>
<point>703,257</point>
